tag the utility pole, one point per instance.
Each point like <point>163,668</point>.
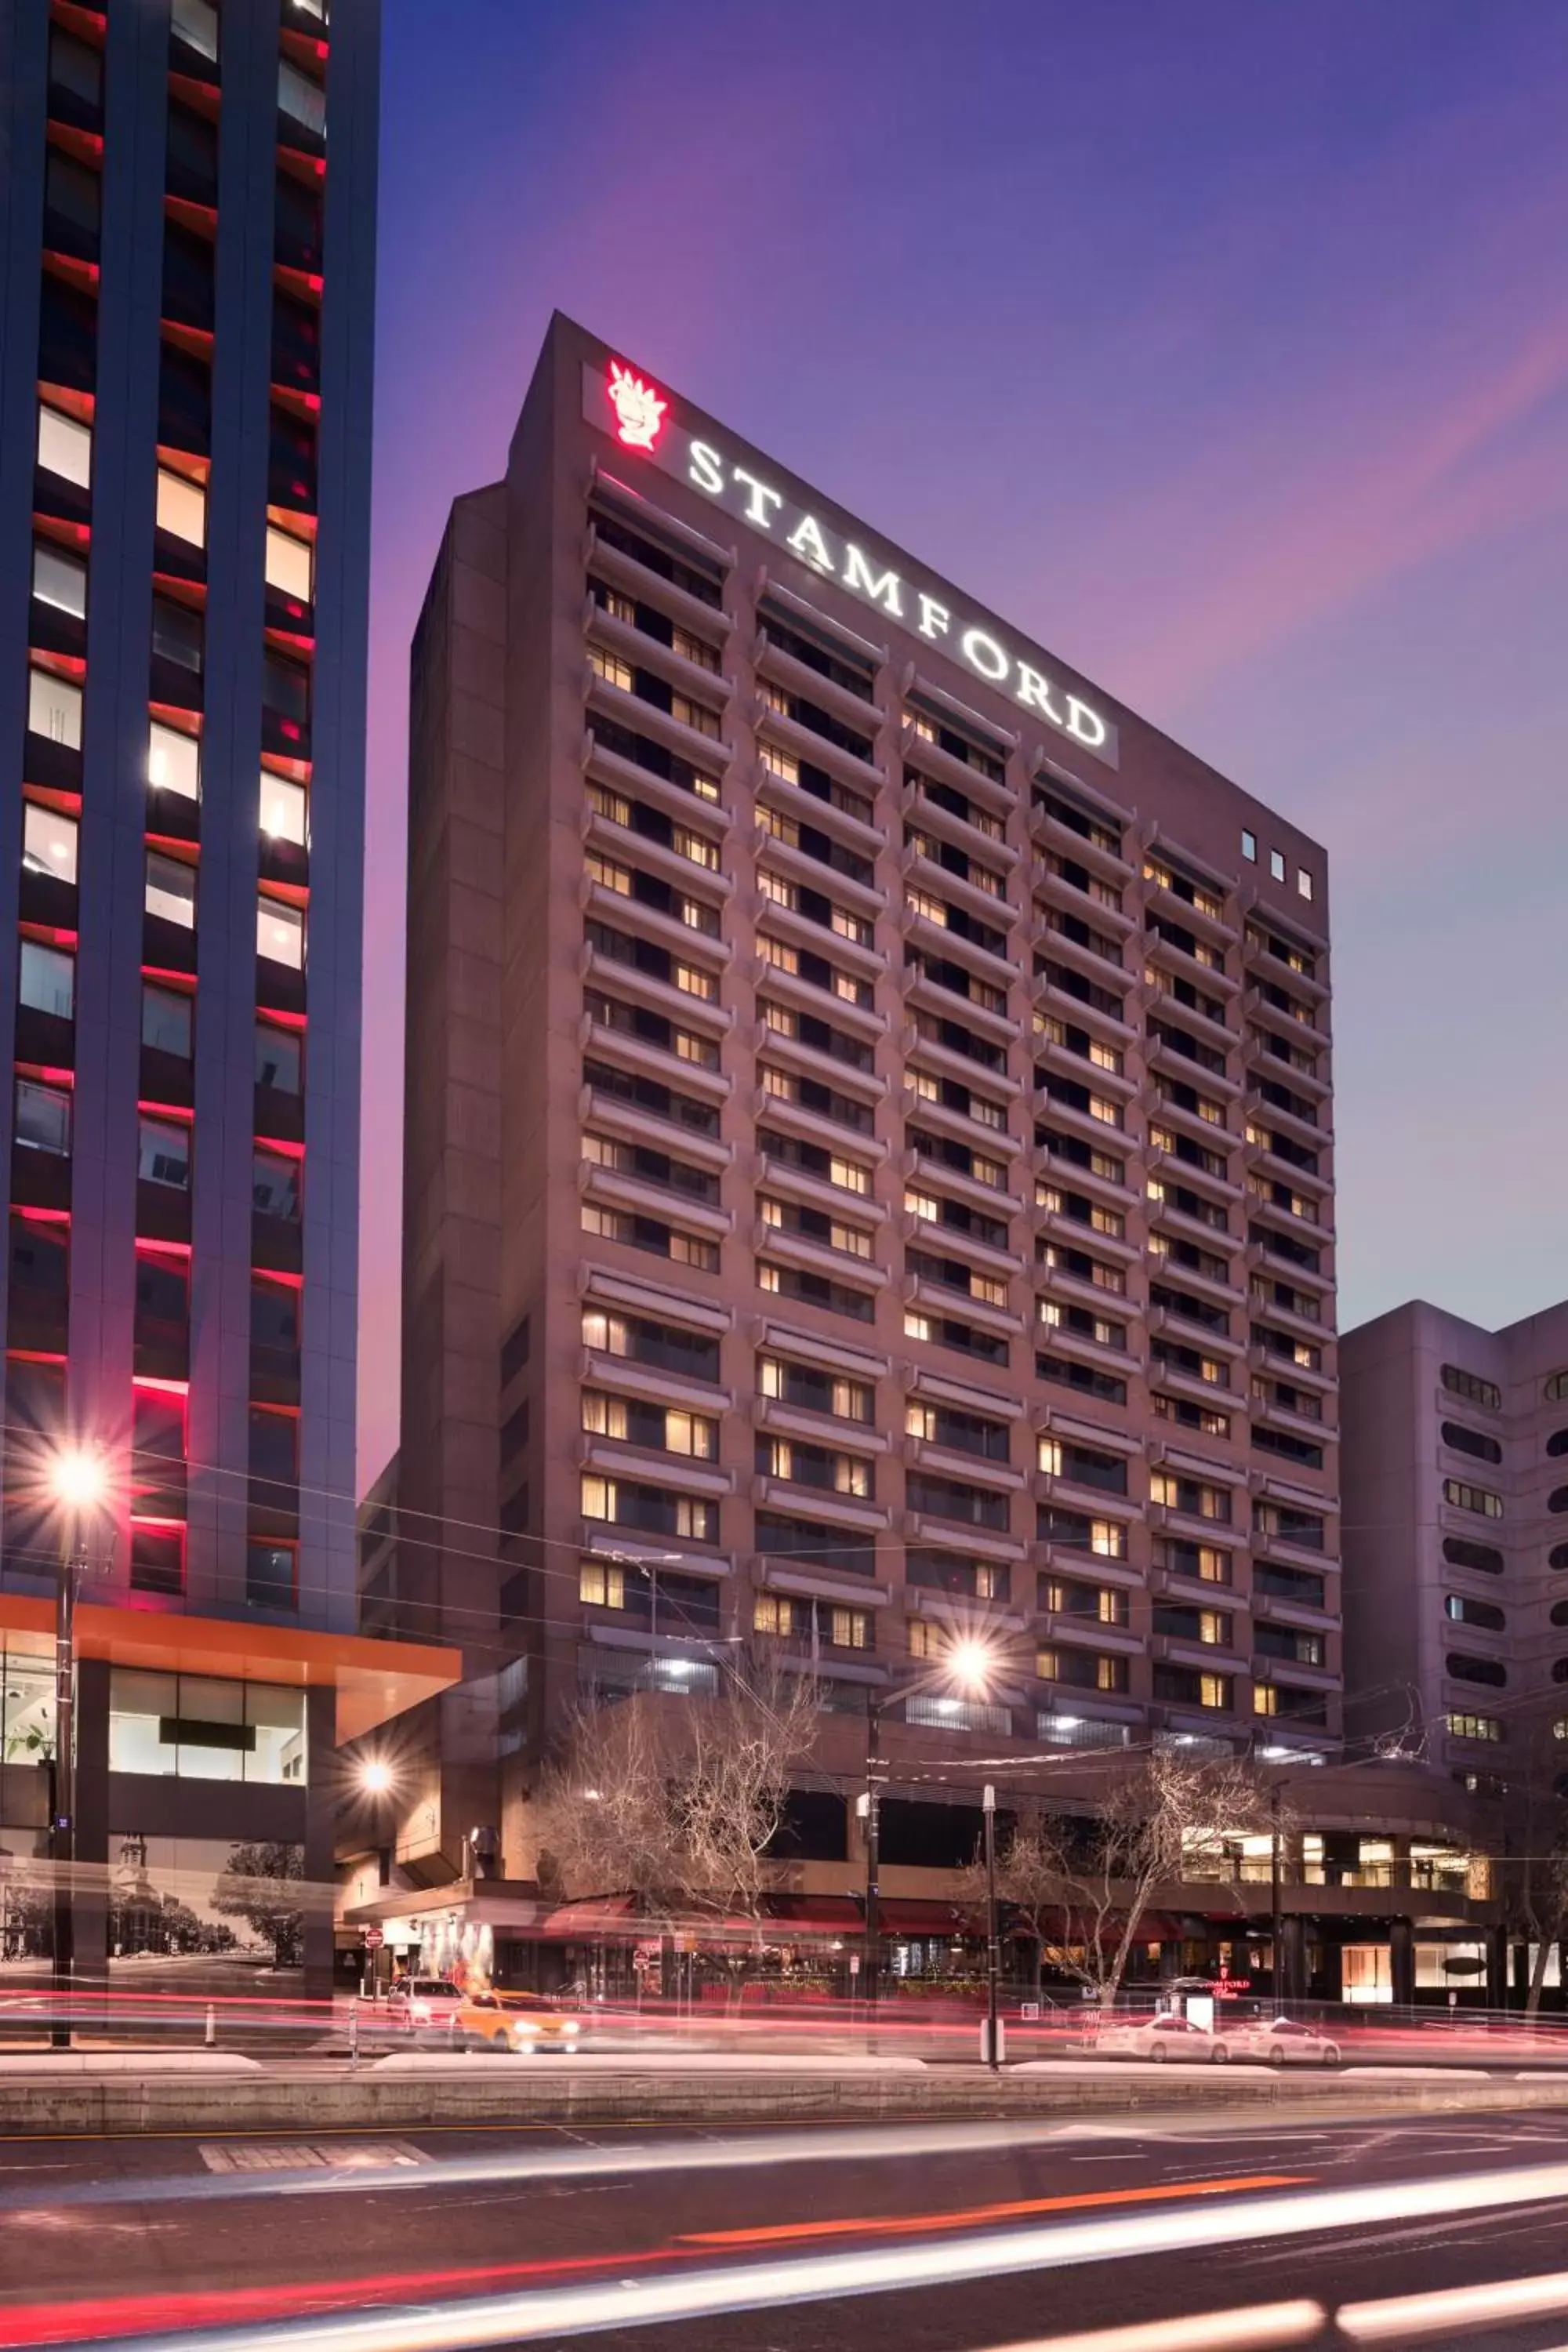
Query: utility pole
<point>992,1936</point>
<point>868,1819</point>
<point>1277,1929</point>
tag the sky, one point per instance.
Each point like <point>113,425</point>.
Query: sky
<point>1223,348</point>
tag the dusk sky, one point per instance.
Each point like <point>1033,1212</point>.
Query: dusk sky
<point>1222,347</point>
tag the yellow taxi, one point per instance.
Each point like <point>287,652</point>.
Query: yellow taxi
<point>513,2021</point>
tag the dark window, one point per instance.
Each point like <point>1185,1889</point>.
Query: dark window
<point>1558,1556</point>
<point>1462,1611</point>
<point>1558,1499</point>
<point>274,1315</point>
<point>274,1449</point>
<point>72,191</point>
<point>1558,1442</point>
<point>1466,1669</point>
<point>1471,1441</point>
<point>1482,1557</point>
<point>157,1560</point>
<point>278,1056</point>
<point>1459,1382</point>
<point>177,633</point>
<point>270,1575</point>
<point>515,1347</point>
<point>286,688</point>
<point>76,65</point>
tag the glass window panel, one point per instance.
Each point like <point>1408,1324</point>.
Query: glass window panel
<point>26,1709</point>
<point>54,708</point>
<point>178,633</point>
<point>65,446</point>
<point>164,1154</point>
<point>48,980</point>
<point>59,580</point>
<point>182,507</point>
<point>288,563</point>
<point>278,1057</point>
<point>43,1117</point>
<point>211,1698</point>
<point>302,99</point>
<point>275,1185</point>
<point>280,932</point>
<point>195,21</point>
<point>279,1718</point>
<point>172,889</point>
<point>140,1705</point>
<point>167,1020</point>
<point>283,808</point>
<point>174,760</point>
<point>48,842</point>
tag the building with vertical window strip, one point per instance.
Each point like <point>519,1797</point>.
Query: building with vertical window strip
<point>869,1152</point>
<point>188,232</point>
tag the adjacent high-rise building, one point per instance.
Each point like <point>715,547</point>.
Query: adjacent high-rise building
<point>1455,1485</point>
<point>870,1161</point>
<point>187,219</point>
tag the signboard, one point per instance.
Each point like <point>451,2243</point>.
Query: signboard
<point>621,402</point>
<point>374,1939</point>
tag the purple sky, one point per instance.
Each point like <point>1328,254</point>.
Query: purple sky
<point>1225,348</point>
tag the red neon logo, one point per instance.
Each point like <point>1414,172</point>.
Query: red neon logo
<point>639,410</point>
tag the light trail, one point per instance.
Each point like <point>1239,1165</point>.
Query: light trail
<point>640,2301</point>
<point>1263,2328</point>
<point>972,2217</point>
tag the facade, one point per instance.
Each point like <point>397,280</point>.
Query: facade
<point>187,220</point>
<point>1455,1485</point>
<point>870,1155</point>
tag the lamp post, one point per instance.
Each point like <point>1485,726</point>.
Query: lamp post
<point>968,1663</point>
<point>992,1936</point>
<point>77,1480</point>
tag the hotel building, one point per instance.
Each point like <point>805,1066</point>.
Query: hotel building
<point>870,1149</point>
<point>1455,1485</point>
<point>187,221</point>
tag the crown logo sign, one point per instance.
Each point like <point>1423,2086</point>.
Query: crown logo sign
<point>639,410</point>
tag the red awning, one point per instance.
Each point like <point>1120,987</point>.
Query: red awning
<point>898,1918</point>
<point>596,1914</point>
<point>814,1914</point>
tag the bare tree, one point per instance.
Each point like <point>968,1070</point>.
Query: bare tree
<point>1535,1890</point>
<point>677,1801</point>
<point>1084,1885</point>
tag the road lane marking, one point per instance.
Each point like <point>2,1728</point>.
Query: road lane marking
<point>778,2233</point>
<point>301,2155</point>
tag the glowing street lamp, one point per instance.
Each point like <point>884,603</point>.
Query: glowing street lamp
<point>79,1482</point>
<point>376,1776</point>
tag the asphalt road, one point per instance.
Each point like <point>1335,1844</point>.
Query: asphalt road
<point>920,2238</point>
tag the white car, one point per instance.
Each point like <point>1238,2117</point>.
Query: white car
<point>424,2004</point>
<point>1163,2035</point>
<point>1284,2041</point>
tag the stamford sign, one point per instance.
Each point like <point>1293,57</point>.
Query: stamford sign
<point>625,404</point>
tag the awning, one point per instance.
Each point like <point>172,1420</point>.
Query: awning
<point>814,1914</point>
<point>897,1918</point>
<point>597,1915</point>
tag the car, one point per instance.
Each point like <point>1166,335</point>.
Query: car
<point>1166,2035</point>
<point>423,2005</point>
<point>1283,2041</point>
<point>513,2020</point>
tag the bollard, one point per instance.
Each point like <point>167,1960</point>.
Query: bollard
<point>211,2035</point>
<point>353,2033</point>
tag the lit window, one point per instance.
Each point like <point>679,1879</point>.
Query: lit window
<point>195,21</point>
<point>288,564</point>
<point>283,808</point>
<point>600,1586</point>
<point>174,760</point>
<point>1304,883</point>
<point>65,446</point>
<point>42,1120</point>
<point>48,842</point>
<point>59,580</point>
<point>54,708</point>
<point>304,101</point>
<point>164,1154</point>
<point>609,874</point>
<point>1277,865</point>
<point>181,506</point>
<point>1249,846</point>
<point>48,981</point>
<point>771,1613</point>
<point>280,932</point>
<point>171,890</point>
<point>611,668</point>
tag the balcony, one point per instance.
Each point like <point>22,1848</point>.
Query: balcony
<point>682,875</point>
<point>931,1053</point>
<point>1276,1262</point>
<point>928,873</point>
<point>806,807</point>
<point>1256,1007</point>
<point>971,1469</point>
<point>812,1062</point>
<point>649,587</point>
<point>1053,834</point>
<point>629,1121</point>
<point>650,922</point>
<point>947,769</point>
<point>815,873</point>
<point>803,742</point>
<point>1103,969</point>
<point>819,1503</point>
<point>1177,1171</point>
<point>973,840</point>
<point>941,1300</point>
<point>628,1376</point>
<point>951,946</point>
<point>646,652</point>
<point>927,1232</point>
<point>645,988</point>
<point>1312,1329</point>
<point>1083,1495</point>
<point>1261,966</point>
<point>1081,1631</point>
<point>638,1194</point>
<point>1261,1063</point>
<point>1059,890</point>
<point>606,766</point>
<point>822,1003</point>
<point>1067,1063</point>
<point>770,659</point>
<point>1161,1054</point>
<point>1186,1333</point>
<point>1217,928</point>
<point>1159,1005</point>
<point>1126,1362</point>
<point>1283,1367</point>
<point>658,1062</point>
<point>1118,1140</point>
<point>817,1428</point>
<point>1219,1290</point>
<point>819,1127</point>
<point>988,1198</point>
<point>818,1258</point>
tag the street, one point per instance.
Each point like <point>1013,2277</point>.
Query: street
<point>923,2237</point>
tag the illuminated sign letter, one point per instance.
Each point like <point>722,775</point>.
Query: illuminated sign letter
<point>1034,694</point>
<point>705,469</point>
<point>761,497</point>
<point>934,617</point>
<point>639,410</point>
<point>882,587</point>
<point>808,543</point>
<point>984,654</point>
<point>1085,724</point>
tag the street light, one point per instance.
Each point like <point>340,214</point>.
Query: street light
<point>376,1777</point>
<point>78,1483</point>
<point>969,1661</point>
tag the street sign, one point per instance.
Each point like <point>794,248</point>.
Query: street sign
<point>374,1939</point>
